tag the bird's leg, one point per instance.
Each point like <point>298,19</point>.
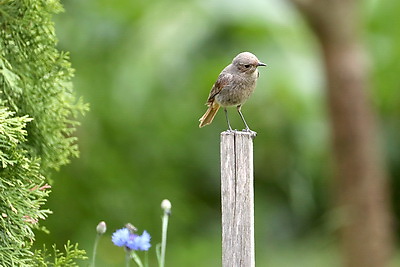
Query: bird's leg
<point>227,119</point>
<point>244,121</point>
<point>241,116</point>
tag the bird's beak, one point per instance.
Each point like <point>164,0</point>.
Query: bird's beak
<point>261,64</point>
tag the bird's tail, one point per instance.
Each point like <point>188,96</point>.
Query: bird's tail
<point>208,117</point>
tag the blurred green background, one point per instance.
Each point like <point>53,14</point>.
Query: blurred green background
<point>146,68</point>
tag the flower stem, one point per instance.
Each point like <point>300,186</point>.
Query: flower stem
<point>136,258</point>
<point>164,238</point>
<point>96,242</point>
<point>127,258</point>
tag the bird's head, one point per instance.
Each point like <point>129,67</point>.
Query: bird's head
<point>246,62</point>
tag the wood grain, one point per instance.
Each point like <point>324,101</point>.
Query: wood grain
<point>237,199</point>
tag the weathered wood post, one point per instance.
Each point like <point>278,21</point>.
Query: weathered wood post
<point>237,199</point>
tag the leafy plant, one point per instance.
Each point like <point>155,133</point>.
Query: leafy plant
<point>38,111</point>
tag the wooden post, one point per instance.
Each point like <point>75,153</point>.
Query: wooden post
<point>237,199</point>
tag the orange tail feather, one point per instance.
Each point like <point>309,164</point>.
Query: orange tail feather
<point>208,117</point>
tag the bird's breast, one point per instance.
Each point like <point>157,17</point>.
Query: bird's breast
<point>236,92</point>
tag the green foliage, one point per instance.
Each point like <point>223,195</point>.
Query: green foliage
<point>22,192</point>
<point>36,80</point>
<point>57,258</point>
<point>12,133</point>
<point>38,111</point>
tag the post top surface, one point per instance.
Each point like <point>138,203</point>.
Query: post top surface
<point>251,134</point>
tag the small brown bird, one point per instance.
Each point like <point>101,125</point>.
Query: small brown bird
<point>233,87</point>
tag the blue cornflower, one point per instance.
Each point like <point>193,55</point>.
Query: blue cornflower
<point>124,238</point>
<point>140,242</point>
<point>121,237</point>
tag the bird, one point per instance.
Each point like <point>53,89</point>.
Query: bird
<point>234,85</point>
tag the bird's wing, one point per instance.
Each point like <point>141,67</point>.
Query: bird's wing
<point>223,80</point>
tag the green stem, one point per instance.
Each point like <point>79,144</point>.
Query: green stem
<point>136,258</point>
<point>127,257</point>
<point>164,238</point>
<point>96,242</point>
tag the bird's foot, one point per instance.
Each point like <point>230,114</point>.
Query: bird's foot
<point>252,133</point>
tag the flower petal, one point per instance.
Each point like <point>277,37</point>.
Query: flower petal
<point>121,237</point>
<point>141,242</point>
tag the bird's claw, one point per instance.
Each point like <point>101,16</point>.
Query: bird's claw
<point>252,133</point>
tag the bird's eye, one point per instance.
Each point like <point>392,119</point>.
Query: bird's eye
<point>247,66</point>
